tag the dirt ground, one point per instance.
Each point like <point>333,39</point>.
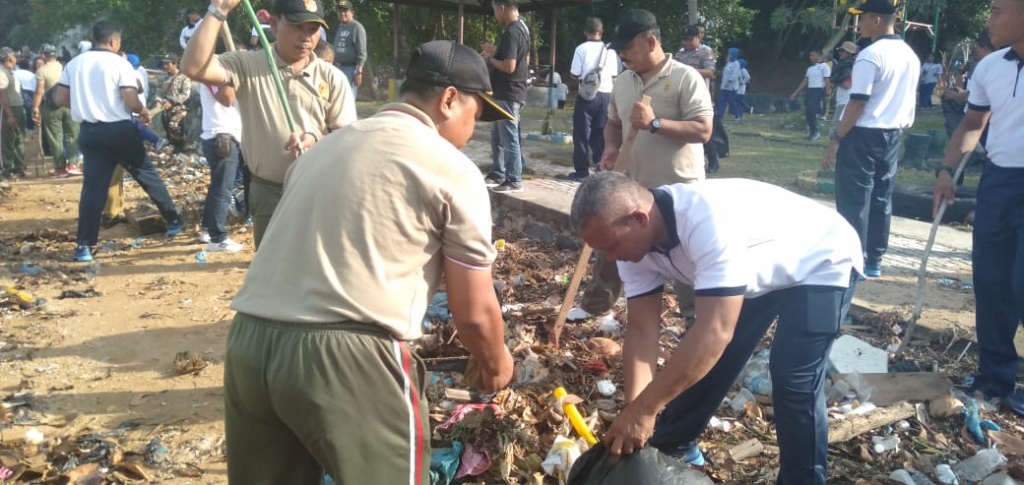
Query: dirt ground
<point>104,367</point>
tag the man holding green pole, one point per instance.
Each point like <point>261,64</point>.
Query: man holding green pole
<point>319,99</point>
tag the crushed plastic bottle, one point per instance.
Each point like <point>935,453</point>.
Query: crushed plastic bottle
<point>201,258</point>
<point>881,444</point>
<point>756,375</point>
<point>92,270</point>
<point>740,399</point>
<point>979,466</point>
<point>945,475</point>
<point>760,384</point>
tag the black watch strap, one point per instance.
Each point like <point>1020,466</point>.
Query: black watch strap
<point>946,169</point>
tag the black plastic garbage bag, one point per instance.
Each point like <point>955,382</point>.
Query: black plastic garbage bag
<point>646,467</point>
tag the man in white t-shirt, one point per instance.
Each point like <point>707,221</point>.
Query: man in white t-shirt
<point>222,135</point>
<point>786,257</point>
<point>817,84</point>
<point>102,90</point>
<point>192,20</point>
<point>881,106</point>
<point>590,115</point>
<point>931,72</point>
<point>996,99</point>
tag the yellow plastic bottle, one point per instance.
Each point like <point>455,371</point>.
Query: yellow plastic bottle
<point>575,418</point>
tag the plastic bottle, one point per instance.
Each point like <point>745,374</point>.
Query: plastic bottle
<point>945,475</point>
<point>741,398</point>
<point>881,445</point>
<point>201,258</point>
<point>760,383</point>
<point>979,466</point>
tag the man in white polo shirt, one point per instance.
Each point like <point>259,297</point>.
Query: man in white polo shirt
<point>817,85</point>
<point>996,98</point>
<point>592,63</point>
<point>785,257</point>
<point>883,95</point>
<point>102,90</point>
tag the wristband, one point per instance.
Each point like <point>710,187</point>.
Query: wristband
<point>316,139</point>
<point>946,169</point>
<point>217,14</point>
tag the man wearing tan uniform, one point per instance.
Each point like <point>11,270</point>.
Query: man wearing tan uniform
<point>317,372</point>
<point>320,99</point>
<point>60,130</point>
<point>671,132</point>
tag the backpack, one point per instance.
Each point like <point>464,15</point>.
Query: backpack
<point>592,80</point>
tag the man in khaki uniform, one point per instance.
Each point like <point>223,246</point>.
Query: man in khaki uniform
<point>319,97</point>
<point>671,132</point>
<point>13,119</point>
<point>317,373</point>
<point>60,130</point>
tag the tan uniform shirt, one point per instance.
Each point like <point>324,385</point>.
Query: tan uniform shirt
<point>367,218</point>
<point>12,86</point>
<point>49,74</point>
<point>677,92</point>
<point>319,97</point>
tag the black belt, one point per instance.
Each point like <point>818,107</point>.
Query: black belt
<point>104,122</point>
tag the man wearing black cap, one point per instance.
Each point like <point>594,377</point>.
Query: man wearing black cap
<point>350,45</point>
<point>319,98</point>
<point>318,375</point>
<point>883,96</point>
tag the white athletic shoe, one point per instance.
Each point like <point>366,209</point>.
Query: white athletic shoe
<point>226,245</point>
<point>204,236</point>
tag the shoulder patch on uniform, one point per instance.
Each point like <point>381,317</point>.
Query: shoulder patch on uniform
<point>324,89</point>
<point>668,87</point>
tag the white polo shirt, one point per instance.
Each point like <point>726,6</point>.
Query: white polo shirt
<point>886,75</point>
<point>817,74</point>
<point>998,85</point>
<point>588,57</point>
<point>218,118</point>
<point>95,79</point>
<point>725,245</point>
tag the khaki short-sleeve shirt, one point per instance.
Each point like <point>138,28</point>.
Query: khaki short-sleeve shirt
<point>678,92</point>
<point>49,74</point>
<point>320,100</point>
<point>368,216</point>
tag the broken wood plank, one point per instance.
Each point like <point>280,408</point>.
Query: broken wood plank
<point>458,395</point>
<point>746,449</point>
<point>840,431</point>
<point>895,387</point>
<point>570,294</point>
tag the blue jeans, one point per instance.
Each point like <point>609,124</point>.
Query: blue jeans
<point>865,180</point>
<point>998,265</point>
<point>350,73</point>
<point>506,153</point>
<point>725,100</point>
<point>925,95</point>
<point>588,120</point>
<point>808,321</point>
<point>105,146</point>
<point>223,177</point>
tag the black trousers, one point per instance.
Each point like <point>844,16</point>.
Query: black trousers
<point>814,105</point>
<point>865,179</point>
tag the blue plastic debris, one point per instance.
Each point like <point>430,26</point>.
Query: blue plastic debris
<point>201,258</point>
<point>437,310</point>
<point>974,424</point>
<point>444,463</point>
<point>29,268</point>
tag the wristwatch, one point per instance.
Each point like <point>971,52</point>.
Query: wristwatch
<point>655,125</point>
<point>217,14</point>
<point>946,169</point>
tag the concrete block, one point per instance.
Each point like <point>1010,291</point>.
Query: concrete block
<point>145,222</point>
<point>851,354</point>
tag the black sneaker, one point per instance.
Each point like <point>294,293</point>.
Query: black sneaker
<point>509,187</point>
<point>108,222</point>
<point>491,181</point>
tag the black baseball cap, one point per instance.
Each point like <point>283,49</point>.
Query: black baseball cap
<point>169,59</point>
<point>447,63</point>
<point>884,7</point>
<point>301,11</point>
<point>345,5</point>
<point>634,22</point>
<point>691,32</point>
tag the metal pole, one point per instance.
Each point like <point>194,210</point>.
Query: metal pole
<point>462,23</point>
<point>935,30</point>
<point>552,95</point>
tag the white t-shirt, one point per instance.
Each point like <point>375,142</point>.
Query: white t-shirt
<point>930,73</point>
<point>725,245</point>
<point>997,84</point>
<point>561,90</point>
<point>95,79</point>
<point>731,76</point>
<point>218,118</point>
<point>886,75</point>
<point>84,46</point>
<point>744,80</point>
<point>588,56</point>
<point>817,74</point>
<point>842,96</point>
<point>187,33</point>
<point>26,79</point>
<point>144,78</point>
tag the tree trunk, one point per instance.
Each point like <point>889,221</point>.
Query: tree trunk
<point>691,11</point>
<point>837,37</point>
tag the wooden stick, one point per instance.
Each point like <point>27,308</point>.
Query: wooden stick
<point>574,285</point>
<point>922,271</point>
<point>842,430</point>
<point>627,143</point>
<point>225,32</point>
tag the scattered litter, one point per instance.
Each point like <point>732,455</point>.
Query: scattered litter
<point>22,299</point>
<point>945,475</point>
<point>979,466</point>
<point>605,387</point>
<point>561,457</point>
<point>499,245</point>
<point>955,283</point>
<point>718,424</point>
<point>201,258</point>
<point>603,346</point>
<point>25,249</point>
<point>29,268</point>
<point>850,354</point>
<point>186,363</point>
<point>138,242</point>
<point>88,293</point>
<point>608,325</point>
<point>444,463</point>
<point>882,444</point>
<point>974,424</point>
<point>437,310</point>
<point>474,462</point>
<point>945,406</point>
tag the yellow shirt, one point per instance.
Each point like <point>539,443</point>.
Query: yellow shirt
<point>319,97</point>
<point>678,92</point>
<point>367,218</point>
